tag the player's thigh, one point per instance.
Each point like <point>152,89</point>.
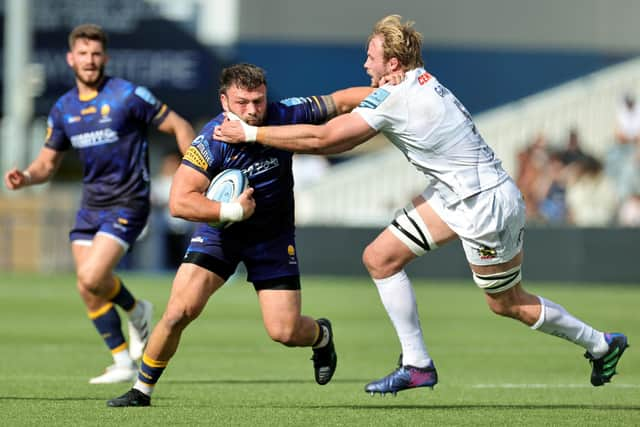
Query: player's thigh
<point>280,307</point>
<point>439,230</point>
<point>416,229</point>
<point>97,259</point>
<point>192,287</point>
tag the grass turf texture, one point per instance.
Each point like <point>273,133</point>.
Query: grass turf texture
<point>227,372</point>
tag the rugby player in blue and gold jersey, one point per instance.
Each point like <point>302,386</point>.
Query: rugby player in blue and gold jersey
<point>106,120</point>
<point>261,234</point>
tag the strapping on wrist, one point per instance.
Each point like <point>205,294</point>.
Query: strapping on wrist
<point>27,176</point>
<point>231,212</point>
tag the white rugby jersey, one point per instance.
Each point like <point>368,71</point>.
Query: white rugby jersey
<point>436,134</point>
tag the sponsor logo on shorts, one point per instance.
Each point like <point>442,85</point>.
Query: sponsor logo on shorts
<point>197,239</point>
<point>487,253</point>
<point>291,251</point>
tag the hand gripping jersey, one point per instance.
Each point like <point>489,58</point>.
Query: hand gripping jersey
<point>436,134</point>
<point>109,131</point>
<point>268,169</point>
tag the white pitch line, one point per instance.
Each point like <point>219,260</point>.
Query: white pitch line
<point>551,386</point>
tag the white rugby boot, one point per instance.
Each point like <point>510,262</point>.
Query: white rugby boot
<point>139,330</point>
<point>117,374</point>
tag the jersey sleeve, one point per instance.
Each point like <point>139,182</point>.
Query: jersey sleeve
<point>307,110</point>
<point>56,138</point>
<point>374,110</point>
<point>205,154</point>
<point>146,107</point>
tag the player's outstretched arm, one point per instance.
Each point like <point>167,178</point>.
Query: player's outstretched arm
<point>346,100</point>
<point>176,125</point>
<point>39,171</point>
<point>336,136</point>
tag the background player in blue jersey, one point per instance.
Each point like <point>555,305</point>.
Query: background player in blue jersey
<point>106,119</point>
<point>263,240</point>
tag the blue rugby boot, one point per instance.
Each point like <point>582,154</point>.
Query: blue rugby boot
<point>604,367</point>
<point>403,378</point>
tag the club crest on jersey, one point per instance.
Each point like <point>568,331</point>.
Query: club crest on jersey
<point>375,99</point>
<point>104,113</point>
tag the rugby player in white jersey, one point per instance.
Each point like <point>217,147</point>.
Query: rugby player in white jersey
<point>468,196</point>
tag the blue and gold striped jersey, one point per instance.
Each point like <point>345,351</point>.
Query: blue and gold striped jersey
<point>109,130</point>
<point>268,169</point>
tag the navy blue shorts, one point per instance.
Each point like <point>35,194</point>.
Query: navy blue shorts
<point>270,263</point>
<point>124,225</point>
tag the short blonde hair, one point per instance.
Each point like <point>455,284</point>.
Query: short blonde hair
<point>88,31</point>
<point>399,40</point>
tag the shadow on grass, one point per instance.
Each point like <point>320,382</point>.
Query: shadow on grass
<point>52,399</point>
<point>259,381</point>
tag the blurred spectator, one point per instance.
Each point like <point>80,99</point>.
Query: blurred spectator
<point>627,136</point>
<point>532,163</point>
<point>628,120</point>
<point>552,208</point>
<point>174,232</point>
<point>573,150</point>
<point>629,213</point>
<point>591,201</point>
<point>308,169</point>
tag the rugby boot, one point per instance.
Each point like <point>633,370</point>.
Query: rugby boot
<point>133,397</point>
<point>604,367</point>
<point>325,358</point>
<point>404,378</point>
<point>139,330</point>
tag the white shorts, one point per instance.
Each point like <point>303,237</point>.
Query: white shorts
<point>489,224</point>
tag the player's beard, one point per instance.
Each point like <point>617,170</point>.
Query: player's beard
<point>94,82</point>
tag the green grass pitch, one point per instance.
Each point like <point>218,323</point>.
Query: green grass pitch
<point>227,372</point>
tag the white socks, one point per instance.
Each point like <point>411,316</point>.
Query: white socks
<point>555,320</point>
<point>399,300</point>
<point>143,387</point>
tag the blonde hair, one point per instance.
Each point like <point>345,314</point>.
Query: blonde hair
<point>399,40</point>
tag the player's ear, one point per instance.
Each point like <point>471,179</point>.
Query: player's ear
<point>394,64</point>
<point>224,102</point>
<point>70,59</point>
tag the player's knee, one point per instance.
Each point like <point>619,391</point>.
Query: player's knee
<point>176,319</point>
<point>90,280</point>
<point>283,334</point>
<point>378,264</point>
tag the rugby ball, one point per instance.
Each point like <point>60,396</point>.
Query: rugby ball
<point>225,187</point>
